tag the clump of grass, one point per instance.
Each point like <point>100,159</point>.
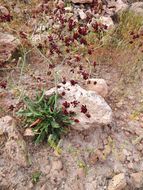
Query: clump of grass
<point>46,118</point>
<point>36,176</point>
<point>129,22</point>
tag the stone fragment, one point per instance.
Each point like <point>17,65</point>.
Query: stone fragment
<point>82,14</point>
<point>16,150</point>
<point>57,165</point>
<point>29,133</point>
<point>4,10</point>
<point>90,108</point>
<point>118,182</point>
<point>137,8</point>
<point>15,147</point>
<point>97,85</point>
<point>8,45</point>
<point>137,179</point>
<point>107,21</point>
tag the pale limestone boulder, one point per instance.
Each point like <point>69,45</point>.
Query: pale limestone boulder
<point>120,6</point>
<point>118,182</point>
<point>15,146</point>
<point>8,45</point>
<point>97,85</point>
<point>16,151</point>
<point>4,10</point>
<point>137,8</point>
<point>82,14</point>
<point>29,133</point>
<point>6,38</point>
<point>137,179</point>
<point>117,6</point>
<point>98,111</point>
<point>107,20</point>
<point>7,126</point>
<point>56,165</point>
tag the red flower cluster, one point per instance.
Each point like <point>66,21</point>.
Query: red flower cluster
<point>83,109</point>
<point>66,104</point>
<point>88,115</point>
<point>68,41</point>
<point>64,81</point>
<point>83,41</point>
<point>71,112</point>
<point>76,120</point>
<point>3,84</point>
<point>83,30</point>
<point>75,103</point>
<point>63,93</point>
<point>85,75</point>
<point>65,111</point>
<point>6,18</point>
<point>73,82</point>
<point>71,24</point>
<point>76,35</point>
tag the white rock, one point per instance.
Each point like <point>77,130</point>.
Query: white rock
<point>7,38</point>
<point>80,172</point>
<point>137,8</point>
<point>82,14</point>
<point>15,147</point>
<point>137,179</point>
<point>82,1</point>
<point>120,6</point>
<point>7,126</point>
<point>100,112</point>
<point>118,182</point>
<point>17,9</point>
<point>97,85</point>
<point>38,38</point>
<point>130,165</point>
<point>91,186</point>
<point>28,132</point>
<point>8,44</point>
<point>4,11</point>
<point>107,20</point>
<point>57,165</point>
<point>68,9</point>
<point>16,151</point>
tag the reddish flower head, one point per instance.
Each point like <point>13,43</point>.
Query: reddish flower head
<point>88,115</point>
<point>64,81</point>
<point>75,103</point>
<point>63,93</point>
<point>85,75</point>
<point>76,120</point>
<point>3,84</point>
<point>66,104</point>
<point>73,82</point>
<point>82,30</point>
<point>83,109</point>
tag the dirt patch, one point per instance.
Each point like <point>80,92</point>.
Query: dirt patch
<point>88,157</point>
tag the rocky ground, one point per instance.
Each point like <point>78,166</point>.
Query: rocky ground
<point>106,153</point>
